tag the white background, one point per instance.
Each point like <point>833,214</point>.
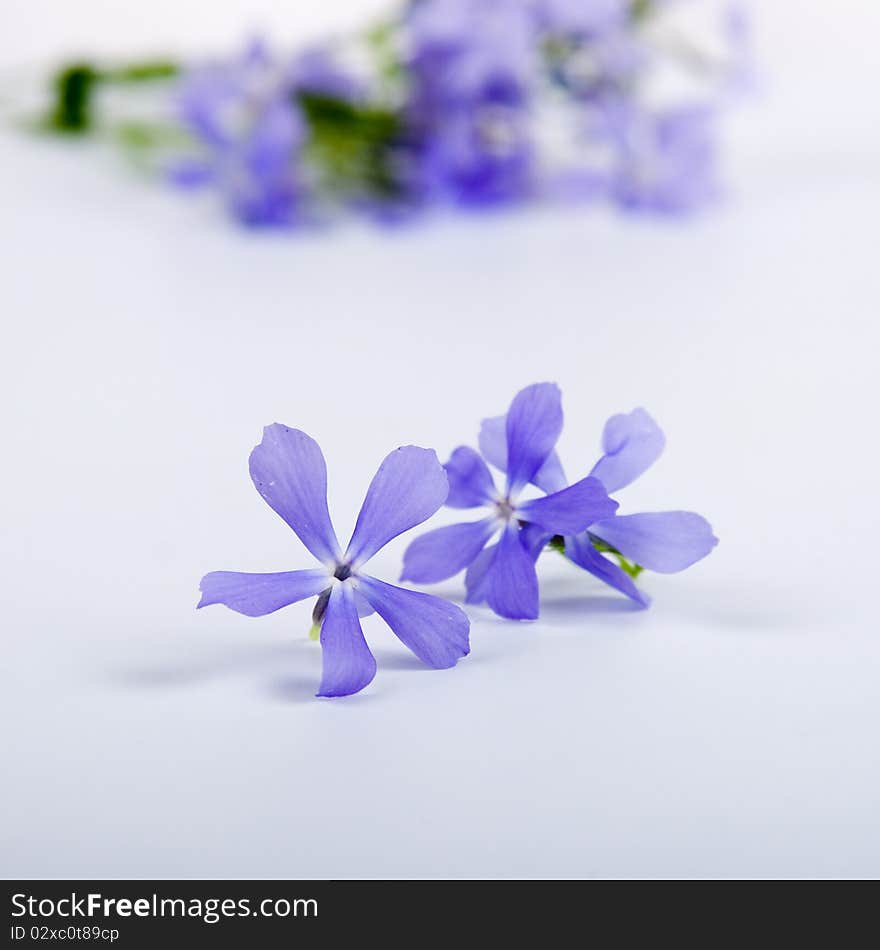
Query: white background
<point>731,730</point>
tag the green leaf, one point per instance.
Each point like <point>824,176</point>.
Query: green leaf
<point>149,135</point>
<point>641,9</point>
<point>352,143</point>
<point>74,87</point>
<point>381,43</point>
<point>147,71</point>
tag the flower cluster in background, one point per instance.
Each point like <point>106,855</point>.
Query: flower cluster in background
<point>448,103</point>
<point>579,520</point>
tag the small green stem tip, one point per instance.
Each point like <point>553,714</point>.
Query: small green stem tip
<point>315,631</point>
<point>557,543</point>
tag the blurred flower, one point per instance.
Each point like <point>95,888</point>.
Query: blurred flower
<point>740,73</point>
<point>251,133</point>
<point>663,161</point>
<point>582,18</point>
<point>470,66</point>
<point>316,71</point>
<point>591,57</point>
<point>461,102</point>
<point>289,471</point>
<point>504,574</point>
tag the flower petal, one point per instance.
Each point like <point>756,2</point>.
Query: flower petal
<point>290,473</point>
<point>663,541</point>
<point>493,441</point>
<point>364,608</point>
<point>409,487</point>
<point>470,481</point>
<point>632,442</point>
<point>570,510</point>
<point>255,595</point>
<point>580,550</point>
<point>511,581</point>
<point>550,476</point>
<point>348,664</point>
<point>475,576</point>
<point>444,552</point>
<point>533,425</point>
<point>434,629</point>
<point>534,539</point>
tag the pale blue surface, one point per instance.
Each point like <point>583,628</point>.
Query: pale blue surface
<point>728,730</point>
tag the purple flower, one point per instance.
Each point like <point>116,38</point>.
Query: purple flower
<point>664,161</point>
<point>243,115</point>
<point>289,471</point>
<point>665,541</point>
<point>472,103</point>
<point>740,74</point>
<point>316,71</point>
<point>577,18</point>
<point>662,541</point>
<point>471,66</point>
<point>593,64</point>
<point>503,575</point>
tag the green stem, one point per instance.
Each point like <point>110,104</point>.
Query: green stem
<point>74,85</point>
<point>557,543</point>
<point>640,9</point>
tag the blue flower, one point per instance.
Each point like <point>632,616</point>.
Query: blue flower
<point>592,50</point>
<point>471,67</point>
<point>289,471</point>
<point>466,102</point>
<point>665,160</point>
<point>251,134</point>
<point>315,71</point>
<point>664,541</point>
<point>503,575</point>
<point>576,18</point>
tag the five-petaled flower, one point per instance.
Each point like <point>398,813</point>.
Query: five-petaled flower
<point>289,471</point>
<point>661,541</point>
<point>503,575</point>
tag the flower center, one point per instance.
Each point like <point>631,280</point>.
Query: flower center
<point>342,572</point>
<point>505,509</point>
<point>496,131</point>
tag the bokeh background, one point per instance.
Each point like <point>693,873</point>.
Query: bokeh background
<point>728,731</point>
